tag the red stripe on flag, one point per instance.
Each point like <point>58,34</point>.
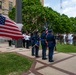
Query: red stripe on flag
<point>9,21</point>
<point>11,25</point>
<point>9,32</point>
<point>9,29</point>
<point>14,37</point>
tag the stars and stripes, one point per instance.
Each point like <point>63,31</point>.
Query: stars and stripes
<point>46,30</point>
<point>8,28</point>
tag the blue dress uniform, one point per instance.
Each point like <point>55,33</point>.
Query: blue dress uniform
<point>37,39</point>
<point>32,43</point>
<point>44,45</point>
<point>51,43</point>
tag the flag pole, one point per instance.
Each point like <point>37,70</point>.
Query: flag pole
<point>18,43</point>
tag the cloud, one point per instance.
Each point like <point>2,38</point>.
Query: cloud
<point>70,11</point>
<point>69,8</point>
<point>67,3</point>
<point>47,4</point>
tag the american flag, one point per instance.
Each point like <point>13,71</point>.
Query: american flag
<point>8,28</point>
<point>46,30</point>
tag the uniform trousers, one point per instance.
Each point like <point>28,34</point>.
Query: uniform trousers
<point>44,51</point>
<point>33,51</point>
<point>50,54</point>
<point>36,51</point>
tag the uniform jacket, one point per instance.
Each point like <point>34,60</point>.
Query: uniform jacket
<point>43,38</point>
<point>32,40</point>
<point>51,40</point>
<point>37,39</point>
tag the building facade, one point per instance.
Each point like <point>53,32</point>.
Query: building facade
<point>6,5</point>
<point>42,2</point>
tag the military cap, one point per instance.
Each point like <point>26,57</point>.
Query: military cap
<point>50,31</point>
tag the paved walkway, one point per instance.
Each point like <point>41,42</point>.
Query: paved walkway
<point>64,63</point>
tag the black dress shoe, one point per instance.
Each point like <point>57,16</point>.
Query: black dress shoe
<point>51,60</point>
<point>37,56</point>
<point>44,58</point>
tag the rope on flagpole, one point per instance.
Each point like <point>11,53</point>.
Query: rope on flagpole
<point>61,7</point>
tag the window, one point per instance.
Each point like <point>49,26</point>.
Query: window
<point>10,5</point>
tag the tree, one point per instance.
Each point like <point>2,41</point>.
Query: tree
<point>35,16</point>
<point>32,14</point>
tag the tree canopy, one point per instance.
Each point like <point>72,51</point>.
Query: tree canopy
<point>35,16</point>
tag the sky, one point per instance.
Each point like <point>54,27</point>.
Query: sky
<point>68,6</point>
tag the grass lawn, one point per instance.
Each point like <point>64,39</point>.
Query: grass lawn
<point>13,64</point>
<point>66,48</point>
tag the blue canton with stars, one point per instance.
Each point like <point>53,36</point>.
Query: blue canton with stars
<point>2,20</point>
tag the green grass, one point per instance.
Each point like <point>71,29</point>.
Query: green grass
<point>66,48</point>
<point>13,64</point>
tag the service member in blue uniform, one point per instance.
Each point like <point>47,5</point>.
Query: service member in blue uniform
<point>51,44</point>
<point>37,39</point>
<point>32,43</point>
<point>43,44</point>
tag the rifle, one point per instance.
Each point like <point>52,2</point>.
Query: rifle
<point>37,44</point>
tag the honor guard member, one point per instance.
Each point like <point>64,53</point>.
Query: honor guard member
<point>37,39</point>
<point>32,43</point>
<point>51,43</point>
<point>43,44</point>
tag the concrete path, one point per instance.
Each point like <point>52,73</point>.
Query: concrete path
<point>64,63</point>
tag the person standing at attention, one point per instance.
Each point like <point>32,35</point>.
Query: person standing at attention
<point>32,44</point>
<point>37,39</point>
<point>43,44</point>
<point>51,44</point>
